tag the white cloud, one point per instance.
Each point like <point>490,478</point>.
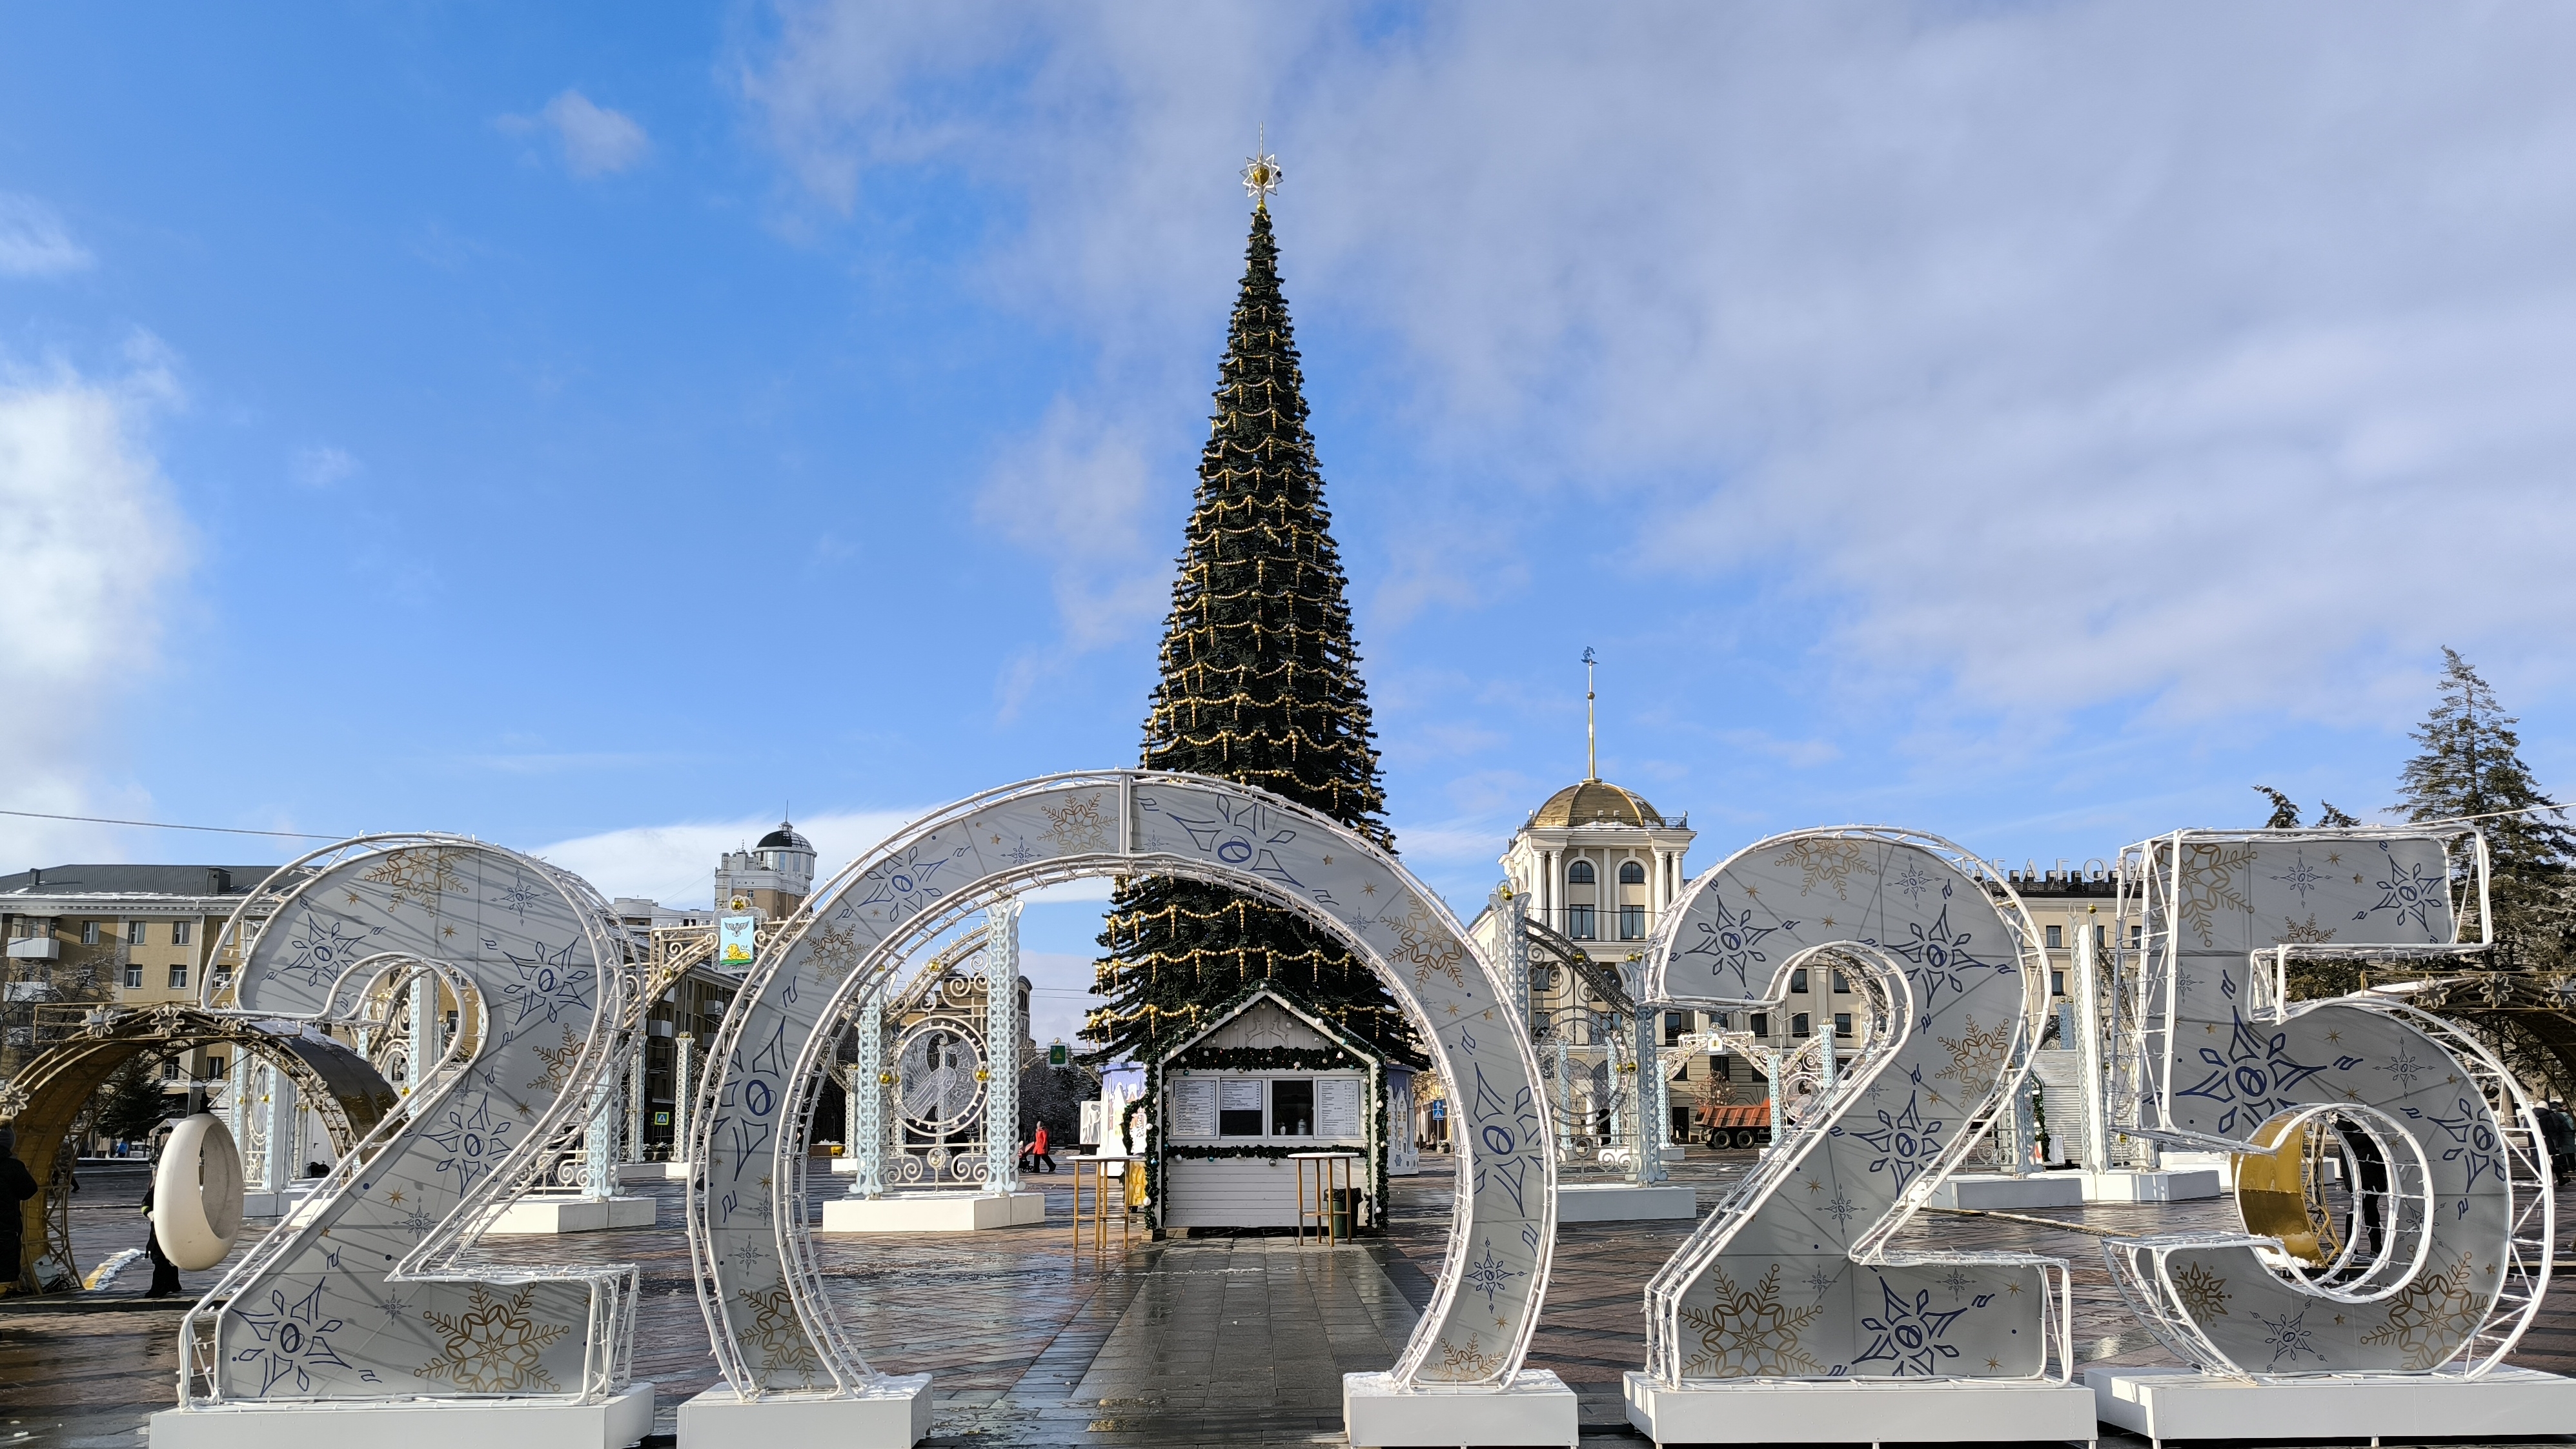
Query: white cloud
<point>596,140</point>
<point>676,864</point>
<point>33,240</point>
<point>321,465</point>
<point>95,543</point>
<point>2066,354</point>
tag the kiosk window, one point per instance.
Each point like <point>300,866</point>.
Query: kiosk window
<point>1238,1108</point>
<point>1292,1108</point>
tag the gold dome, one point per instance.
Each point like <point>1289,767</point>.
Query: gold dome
<point>1595,802</point>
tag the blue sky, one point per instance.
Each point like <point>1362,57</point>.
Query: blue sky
<point>593,428</point>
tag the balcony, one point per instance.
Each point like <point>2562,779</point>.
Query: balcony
<point>36,948</point>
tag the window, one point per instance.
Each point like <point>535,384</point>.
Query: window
<point>1631,873</point>
<point>2057,983</point>
<point>1761,1023</point>
<point>1579,873</point>
<point>1578,922</point>
<point>179,933</point>
<point>178,978</point>
<point>1722,1068</point>
<point>133,975</point>
<point>1675,1023</point>
<point>214,1066</point>
<point>1842,984</point>
<point>1238,1107</point>
<point>2101,935</point>
<point>2137,937</point>
<point>1842,1023</point>
<point>134,933</point>
<point>1798,979</point>
<point>169,1071</point>
<point>1800,1026</point>
<point>1720,1021</point>
<point>1292,1108</point>
<point>89,933</point>
<point>1632,923</point>
<point>2057,938</point>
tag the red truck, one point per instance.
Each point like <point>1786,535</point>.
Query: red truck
<point>1736,1126</point>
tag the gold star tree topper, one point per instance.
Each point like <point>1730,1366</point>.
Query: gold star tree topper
<point>1261,174</point>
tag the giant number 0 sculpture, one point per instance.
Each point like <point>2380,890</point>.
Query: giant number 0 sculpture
<point>1787,1316</point>
<point>2410,1265</point>
<point>792,1367</point>
<point>358,1300</point>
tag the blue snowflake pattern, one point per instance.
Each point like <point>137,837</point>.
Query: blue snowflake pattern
<point>1906,1144</point>
<point>474,1142</point>
<point>516,897</point>
<point>1732,942</point>
<point>2255,1079</point>
<point>1914,880</point>
<point>548,982</point>
<point>2410,892</point>
<point>2288,1336</point>
<point>320,949</point>
<point>1840,1209</point>
<point>1490,1275</point>
<point>1909,1334</point>
<point>1944,958</point>
<point>2301,876</point>
<point>2472,1137</point>
<point>2406,1069</point>
<point>291,1341</point>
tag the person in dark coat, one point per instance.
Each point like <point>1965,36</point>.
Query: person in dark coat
<point>165,1274</point>
<point>17,1185</point>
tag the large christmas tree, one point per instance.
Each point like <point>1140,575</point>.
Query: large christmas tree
<point>1260,684</point>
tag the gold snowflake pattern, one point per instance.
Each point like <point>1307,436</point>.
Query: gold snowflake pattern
<point>832,951</point>
<point>2303,933</point>
<point>493,1346</point>
<point>2432,1316</point>
<point>2202,1293</point>
<point>558,1062</point>
<point>1428,947</point>
<point>418,877</point>
<point>1078,827</point>
<point>779,1335</point>
<point>2209,885</point>
<point>1467,1363</point>
<point>1977,1058</point>
<point>1825,863</point>
<point>1750,1334</point>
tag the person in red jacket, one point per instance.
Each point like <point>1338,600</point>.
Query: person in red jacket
<point>1034,1156</point>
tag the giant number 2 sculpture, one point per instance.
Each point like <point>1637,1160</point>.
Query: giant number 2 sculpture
<point>2429,1248</point>
<point>1794,1277</point>
<point>358,1296</point>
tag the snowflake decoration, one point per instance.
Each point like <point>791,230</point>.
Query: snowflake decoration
<point>2405,1069</point>
<point>1825,863</point>
<point>2303,933</point>
<point>1906,1144</point>
<point>2289,1336</point>
<point>1840,1209</point>
<point>903,885</point>
<point>1909,1334</point>
<point>1914,880</point>
<point>1958,1282</point>
<point>1749,1333</point>
<point>2208,878</point>
<point>1078,827</point>
<point>516,897</point>
<point>2202,1293</point>
<point>548,982</point>
<point>418,877</point>
<point>1732,941</point>
<point>1242,835</point>
<point>2432,1316</point>
<point>779,1334</point>
<point>1490,1275</point>
<point>393,1304</point>
<point>1944,958</point>
<point>1823,1282</point>
<point>1261,177</point>
<point>2473,1138</point>
<point>1021,852</point>
<point>473,1143</point>
<point>1977,1058</point>
<point>2255,1078</point>
<point>291,1341</point>
<point>494,1346</point>
<point>832,951</point>
<point>2410,892</point>
<point>558,1061</point>
<point>418,1222</point>
<point>321,949</point>
<point>2301,876</point>
<point>1425,944</point>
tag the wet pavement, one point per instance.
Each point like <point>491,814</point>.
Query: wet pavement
<point>1235,1340</point>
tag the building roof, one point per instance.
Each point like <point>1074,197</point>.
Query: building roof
<point>784,838</point>
<point>54,882</point>
<point>1595,802</point>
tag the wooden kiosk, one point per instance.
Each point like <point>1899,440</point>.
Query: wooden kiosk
<point>1267,1082</point>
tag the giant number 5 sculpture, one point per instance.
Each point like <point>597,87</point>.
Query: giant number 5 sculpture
<point>792,1366</point>
<point>2391,1175</point>
<point>358,1300</point>
<point>1788,1316</point>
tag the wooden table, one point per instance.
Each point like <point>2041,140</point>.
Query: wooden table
<point>1327,1166</point>
<point>1101,1194</point>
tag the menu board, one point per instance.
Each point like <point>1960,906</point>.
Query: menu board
<point>1239,1094</point>
<point>1337,1107</point>
<point>1194,1107</point>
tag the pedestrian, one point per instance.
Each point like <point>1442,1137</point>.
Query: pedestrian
<point>1036,1153</point>
<point>165,1274</point>
<point>17,1185</point>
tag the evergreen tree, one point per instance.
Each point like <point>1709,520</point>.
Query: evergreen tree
<point>2285,811</point>
<point>2330,818</point>
<point>131,1103</point>
<point>1260,684</point>
<point>2469,765</point>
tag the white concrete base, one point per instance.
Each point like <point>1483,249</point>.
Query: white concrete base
<point>932,1212</point>
<point>2176,1403</point>
<point>1998,1190</point>
<point>410,1424</point>
<point>273,1204</point>
<point>652,1172</point>
<point>893,1414</point>
<point>548,1216</point>
<point>845,1166</point>
<point>2222,1163</point>
<point>1537,1408</point>
<point>2183,1184</point>
<point>1868,1411</point>
<point>1622,1202</point>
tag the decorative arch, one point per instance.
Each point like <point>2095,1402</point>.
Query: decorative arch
<point>338,1083</point>
<point>772,1325</point>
